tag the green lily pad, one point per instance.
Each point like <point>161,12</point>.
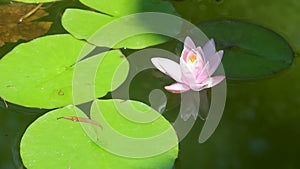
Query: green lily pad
<point>40,73</point>
<point>124,7</point>
<point>133,123</point>
<point>251,51</point>
<point>79,18</point>
<point>85,24</point>
<point>286,22</point>
<point>50,143</point>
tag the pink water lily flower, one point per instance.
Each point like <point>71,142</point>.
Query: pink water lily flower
<point>196,67</point>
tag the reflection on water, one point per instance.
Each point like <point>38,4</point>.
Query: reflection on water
<point>260,127</point>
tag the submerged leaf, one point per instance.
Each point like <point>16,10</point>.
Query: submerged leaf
<point>68,146</point>
<point>250,51</point>
<point>10,28</point>
<point>11,13</point>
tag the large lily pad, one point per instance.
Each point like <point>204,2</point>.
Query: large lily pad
<point>50,143</point>
<point>85,24</point>
<point>10,28</point>
<point>40,73</point>
<point>265,13</point>
<point>124,7</point>
<point>131,129</point>
<point>251,51</point>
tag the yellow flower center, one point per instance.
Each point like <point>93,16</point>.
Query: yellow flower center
<point>193,57</point>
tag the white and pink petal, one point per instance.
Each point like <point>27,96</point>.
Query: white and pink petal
<point>212,81</point>
<point>208,83</point>
<point>209,49</point>
<point>177,88</point>
<point>188,75</point>
<point>189,44</point>
<point>203,74</point>
<point>168,67</point>
<point>214,62</point>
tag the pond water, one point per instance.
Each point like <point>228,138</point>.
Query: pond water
<point>260,127</point>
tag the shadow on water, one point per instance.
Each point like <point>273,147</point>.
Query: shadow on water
<point>14,121</point>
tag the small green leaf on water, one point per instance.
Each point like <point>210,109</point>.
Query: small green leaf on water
<point>250,51</point>
<point>50,143</point>
<point>40,73</point>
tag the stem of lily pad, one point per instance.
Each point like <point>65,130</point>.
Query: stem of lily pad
<point>30,13</point>
<point>81,119</point>
<point>4,101</point>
